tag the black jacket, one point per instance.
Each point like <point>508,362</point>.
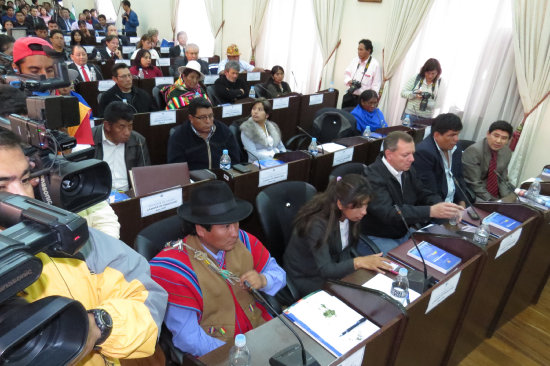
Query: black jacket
<point>414,200</point>
<point>140,100</point>
<point>175,51</point>
<point>182,61</point>
<point>430,169</point>
<point>228,92</point>
<point>98,74</point>
<point>185,146</point>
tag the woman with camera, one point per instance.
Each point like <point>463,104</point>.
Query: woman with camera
<point>422,90</point>
<point>363,73</point>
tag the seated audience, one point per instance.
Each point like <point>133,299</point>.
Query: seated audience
<point>179,48</point>
<point>111,50</point>
<point>428,80</point>
<point>201,140</point>
<point>88,36</point>
<point>41,31</point>
<point>57,41</point>
<point>101,25</point>
<point>20,20</point>
<point>8,26</point>
<point>191,54</point>
<point>9,15</point>
<point>52,25</point>
<point>86,71</point>
<point>395,182</point>
<point>143,62</point>
<point>44,15</point>
<point>145,44</point>
<point>64,21</point>
<point>120,146</point>
<point>438,159</point>
<point>275,86</point>
<point>186,88</point>
<point>233,54</point>
<point>261,138</point>
<point>481,160</point>
<point>76,38</point>
<point>81,20</point>
<point>229,87</point>
<point>33,19</point>
<point>207,308</point>
<point>326,231</point>
<point>6,47</point>
<point>366,113</point>
<point>154,34</point>
<point>124,91</point>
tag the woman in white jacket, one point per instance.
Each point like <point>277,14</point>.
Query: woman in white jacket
<point>422,90</point>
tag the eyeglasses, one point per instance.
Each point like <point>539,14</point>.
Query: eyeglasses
<point>205,117</point>
<point>125,76</point>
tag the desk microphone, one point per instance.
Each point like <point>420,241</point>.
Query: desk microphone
<point>295,83</point>
<point>255,157</point>
<point>509,185</point>
<point>472,212</point>
<point>289,356</point>
<point>311,137</point>
<point>417,284</point>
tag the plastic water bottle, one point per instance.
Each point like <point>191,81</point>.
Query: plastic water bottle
<point>400,287</point>
<point>534,190</point>
<point>407,121</point>
<point>225,160</point>
<point>312,148</point>
<point>367,131</point>
<point>97,56</point>
<point>252,93</point>
<point>140,74</point>
<point>481,236</point>
<point>331,87</point>
<point>239,354</point>
<point>93,76</point>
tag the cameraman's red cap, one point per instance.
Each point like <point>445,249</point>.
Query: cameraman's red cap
<point>22,49</point>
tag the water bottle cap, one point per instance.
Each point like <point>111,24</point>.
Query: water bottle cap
<point>314,139</point>
<point>403,272</point>
<point>224,151</point>
<point>407,116</point>
<point>252,87</point>
<point>240,340</point>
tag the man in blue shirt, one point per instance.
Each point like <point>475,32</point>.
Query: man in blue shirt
<point>129,19</point>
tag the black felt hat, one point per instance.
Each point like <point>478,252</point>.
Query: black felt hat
<point>213,203</point>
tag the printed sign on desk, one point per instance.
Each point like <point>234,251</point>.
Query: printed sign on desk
<point>315,99</point>
<point>127,62</point>
<point>210,79</point>
<point>128,49</point>
<point>232,110</point>
<point>281,103</point>
<point>442,292</point>
<point>164,80</point>
<point>165,50</point>
<point>508,242</point>
<point>162,118</point>
<point>342,156</point>
<point>272,175</point>
<point>161,202</point>
<point>104,85</point>
<point>163,61</point>
<point>253,76</point>
<point>88,49</point>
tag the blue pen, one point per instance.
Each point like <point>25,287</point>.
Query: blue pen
<point>362,320</point>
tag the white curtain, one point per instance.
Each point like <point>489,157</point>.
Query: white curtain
<point>191,18</point>
<point>531,24</point>
<point>258,11</point>
<point>175,6</point>
<point>328,16</point>
<point>107,8</point>
<point>405,21</point>
<point>214,10</point>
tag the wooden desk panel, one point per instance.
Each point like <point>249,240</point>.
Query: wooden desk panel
<point>307,112</point>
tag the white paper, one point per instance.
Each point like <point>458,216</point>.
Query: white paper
<point>253,76</point>
<point>165,50</point>
<point>210,79</point>
<point>383,283</point>
<point>280,103</point>
<point>88,49</point>
<point>134,39</point>
<point>232,110</point>
<point>162,118</point>
<point>161,202</point>
<point>104,85</point>
<point>164,80</point>
<point>163,61</point>
<point>315,99</point>
<point>356,359</point>
<point>127,62</point>
<point>128,49</point>
<point>67,39</point>
<point>443,291</point>
<point>508,242</point>
<point>342,156</point>
<point>331,147</point>
<point>273,175</point>
<point>98,39</point>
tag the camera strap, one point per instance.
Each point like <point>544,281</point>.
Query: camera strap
<point>364,71</point>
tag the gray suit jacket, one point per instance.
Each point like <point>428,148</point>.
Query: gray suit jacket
<point>475,164</point>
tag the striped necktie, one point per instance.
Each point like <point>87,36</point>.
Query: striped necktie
<point>492,181</point>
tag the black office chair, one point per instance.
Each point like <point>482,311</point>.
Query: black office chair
<point>158,96</point>
<point>348,168</point>
<point>333,123</point>
<point>214,99</point>
<point>277,205</point>
<point>235,129</point>
<point>464,144</point>
<point>261,91</point>
<point>150,240</point>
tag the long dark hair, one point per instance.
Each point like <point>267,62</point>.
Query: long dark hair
<point>139,55</point>
<point>430,65</point>
<point>352,190</point>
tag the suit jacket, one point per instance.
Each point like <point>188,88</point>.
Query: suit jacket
<point>103,52</point>
<point>176,51</point>
<point>412,197</point>
<point>182,61</point>
<point>90,66</point>
<point>475,162</point>
<point>122,40</point>
<point>140,99</point>
<point>30,22</point>
<point>63,26</point>
<point>429,166</point>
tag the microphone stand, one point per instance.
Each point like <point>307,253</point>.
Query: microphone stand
<point>509,185</point>
<point>310,136</point>
<point>472,213</point>
<point>288,356</point>
<point>255,157</point>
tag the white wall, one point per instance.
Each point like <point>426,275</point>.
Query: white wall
<point>79,5</point>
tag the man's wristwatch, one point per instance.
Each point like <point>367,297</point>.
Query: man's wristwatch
<point>104,322</point>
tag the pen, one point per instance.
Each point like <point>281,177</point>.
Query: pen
<point>362,320</point>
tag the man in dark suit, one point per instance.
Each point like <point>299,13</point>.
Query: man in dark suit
<point>438,159</point>
<point>179,49</point>
<point>86,71</point>
<point>111,50</point>
<point>395,182</point>
<point>112,31</point>
<point>65,21</point>
<point>191,53</point>
<point>33,20</point>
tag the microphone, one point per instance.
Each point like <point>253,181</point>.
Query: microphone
<point>295,83</point>
<point>289,356</point>
<point>255,157</point>
<point>509,185</point>
<point>418,284</point>
<point>142,153</point>
<point>472,212</point>
<point>308,134</point>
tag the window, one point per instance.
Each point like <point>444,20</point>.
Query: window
<point>106,8</point>
<point>192,19</point>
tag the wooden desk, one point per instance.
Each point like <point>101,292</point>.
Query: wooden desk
<point>307,111</point>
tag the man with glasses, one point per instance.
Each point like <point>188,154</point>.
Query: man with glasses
<point>58,44</point>
<point>86,71</point>
<point>111,50</point>
<point>201,140</point>
<point>123,91</point>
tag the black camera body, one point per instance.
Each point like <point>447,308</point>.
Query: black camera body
<point>424,102</point>
<point>355,84</point>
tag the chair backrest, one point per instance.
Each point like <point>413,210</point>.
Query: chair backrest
<point>261,91</point>
<point>211,91</point>
<point>235,129</point>
<point>159,98</point>
<point>277,206</point>
<point>464,144</point>
<point>150,240</point>
<point>348,168</point>
<point>333,123</point>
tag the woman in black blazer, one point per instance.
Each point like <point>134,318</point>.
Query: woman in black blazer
<point>326,230</point>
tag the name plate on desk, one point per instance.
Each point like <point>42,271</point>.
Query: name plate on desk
<point>272,175</point>
<point>98,39</point>
<point>134,39</point>
<point>163,80</point>
<point>342,156</point>
<point>128,49</point>
<point>164,49</point>
<point>232,110</point>
<point>442,292</point>
<point>104,85</point>
<point>127,62</point>
<point>161,202</point>
<point>315,99</point>
<point>280,103</point>
<point>253,76</point>
<point>162,118</point>
<point>163,61</point>
<point>508,242</point>
<point>210,79</point>
<point>88,49</point>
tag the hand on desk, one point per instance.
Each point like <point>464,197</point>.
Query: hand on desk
<point>255,279</point>
<point>445,210</point>
<point>373,262</point>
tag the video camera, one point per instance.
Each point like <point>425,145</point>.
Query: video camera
<point>53,330</point>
